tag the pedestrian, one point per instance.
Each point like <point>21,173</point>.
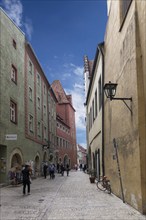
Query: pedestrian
<point>67,169</point>
<point>76,167</point>
<point>45,170</point>
<point>84,168</point>
<point>26,179</point>
<point>52,171</point>
<point>58,167</point>
<point>62,169</point>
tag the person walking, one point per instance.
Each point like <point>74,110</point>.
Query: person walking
<point>62,169</point>
<point>26,179</point>
<point>45,170</point>
<point>52,171</point>
<point>67,169</point>
<point>58,167</point>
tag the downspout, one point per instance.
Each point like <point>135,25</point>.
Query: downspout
<point>100,47</point>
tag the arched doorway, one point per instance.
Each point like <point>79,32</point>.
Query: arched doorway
<point>14,173</point>
<point>16,160</point>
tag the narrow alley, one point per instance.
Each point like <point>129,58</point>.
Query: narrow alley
<point>72,197</point>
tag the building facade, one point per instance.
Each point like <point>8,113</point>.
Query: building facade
<point>82,155</point>
<point>94,114</point>
<point>12,45</point>
<point>125,64</point>
<point>66,149</point>
<point>27,105</point>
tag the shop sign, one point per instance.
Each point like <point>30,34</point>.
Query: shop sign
<point>11,137</point>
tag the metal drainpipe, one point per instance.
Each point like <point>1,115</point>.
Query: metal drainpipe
<point>103,167</point>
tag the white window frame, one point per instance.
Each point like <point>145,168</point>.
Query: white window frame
<point>39,102</point>
<point>30,123</point>
<point>13,73</point>
<point>39,129</point>
<point>30,93</point>
<point>38,79</point>
<point>45,132</point>
<point>13,111</point>
<point>30,67</point>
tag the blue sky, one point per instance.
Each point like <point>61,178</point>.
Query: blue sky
<point>61,32</point>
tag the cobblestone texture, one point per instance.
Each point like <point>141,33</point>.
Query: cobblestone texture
<point>65,198</point>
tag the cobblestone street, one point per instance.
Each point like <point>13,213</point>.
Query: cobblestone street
<point>69,198</point>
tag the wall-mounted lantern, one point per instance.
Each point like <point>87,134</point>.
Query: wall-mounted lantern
<point>45,147</point>
<point>110,92</point>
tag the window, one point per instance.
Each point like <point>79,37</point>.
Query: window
<point>14,43</point>
<point>39,103</point>
<point>63,143</point>
<point>44,89</point>
<point>14,74</point>
<point>124,5</point>
<point>30,93</point>
<point>57,141</point>
<point>31,123</point>
<point>95,103</point>
<point>30,67</point>
<point>39,129</point>
<point>45,133</point>
<point>13,111</point>
<point>38,80</point>
<point>60,142</point>
<point>99,93</point>
<point>44,110</point>
<point>93,110</point>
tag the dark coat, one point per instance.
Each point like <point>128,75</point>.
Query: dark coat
<point>26,175</point>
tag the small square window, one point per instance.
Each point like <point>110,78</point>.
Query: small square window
<point>31,123</point>
<point>14,43</point>
<point>30,67</point>
<point>38,80</point>
<point>13,111</point>
<point>14,74</point>
<point>44,89</point>
<point>44,110</point>
<point>39,129</point>
<point>45,133</point>
<point>39,103</point>
<point>30,93</point>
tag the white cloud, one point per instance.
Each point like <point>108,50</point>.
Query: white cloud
<point>66,75</point>
<point>77,93</point>
<point>28,27</point>
<point>78,71</point>
<point>78,104</point>
<point>14,9</point>
<point>79,86</point>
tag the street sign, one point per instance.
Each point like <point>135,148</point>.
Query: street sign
<point>11,137</point>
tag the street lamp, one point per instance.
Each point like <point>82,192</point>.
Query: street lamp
<point>45,147</point>
<point>110,92</point>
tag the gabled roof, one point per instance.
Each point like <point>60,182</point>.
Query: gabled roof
<point>99,48</point>
<point>60,94</point>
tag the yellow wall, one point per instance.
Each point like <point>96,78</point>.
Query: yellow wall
<point>125,62</point>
